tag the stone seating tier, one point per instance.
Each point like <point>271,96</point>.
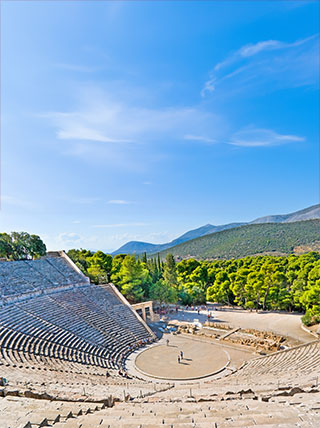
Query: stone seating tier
<point>27,276</point>
<point>72,325</point>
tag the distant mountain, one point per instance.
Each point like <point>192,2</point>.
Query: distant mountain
<point>306,214</point>
<point>252,239</point>
<point>201,231</point>
<point>139,247</point>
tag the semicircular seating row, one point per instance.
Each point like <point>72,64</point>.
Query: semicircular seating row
<point>86,324</point>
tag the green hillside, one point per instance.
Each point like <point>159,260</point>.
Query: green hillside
<point>250,240</point>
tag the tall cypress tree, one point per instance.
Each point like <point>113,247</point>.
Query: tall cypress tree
<point>144,257</point>
<point>169,271</point>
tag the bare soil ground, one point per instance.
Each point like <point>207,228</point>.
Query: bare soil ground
<point>200,358</point>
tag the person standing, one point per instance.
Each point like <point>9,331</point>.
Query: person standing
<point>178,359</point>
<point>181,355</point>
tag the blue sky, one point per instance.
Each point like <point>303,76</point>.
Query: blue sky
<point>141,120</point>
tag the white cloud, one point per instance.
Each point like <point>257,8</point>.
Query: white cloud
<point>200,138</point>
<point>254,137</point>
<point>71,237</point>
<point>268,45</point>
<point>67,240</point>
<point>78,132</point>
<point>281,63</point>
<point>126,125</point>
<point>119,202</point>
<point>209,86</point>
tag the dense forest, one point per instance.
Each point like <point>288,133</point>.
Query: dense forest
<point>262,282</point>
<point>252,239</point>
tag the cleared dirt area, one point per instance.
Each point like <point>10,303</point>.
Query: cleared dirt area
<point>285,324</point>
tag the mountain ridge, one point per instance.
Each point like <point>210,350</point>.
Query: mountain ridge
<point>139,247</point>
<point>251,240</point>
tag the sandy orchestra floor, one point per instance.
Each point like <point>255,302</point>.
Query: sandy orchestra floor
<point>200,358</point>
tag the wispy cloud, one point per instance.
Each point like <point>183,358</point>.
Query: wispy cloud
<point>254,137</point>
<point>77,132</point>
<point>111,117</point>
<point>200,138</point>
<point>69,238</point>
<point>119,202</point>
<point>269,61</point>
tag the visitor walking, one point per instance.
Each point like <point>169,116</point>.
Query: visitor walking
<point>167,342</point>
<point>178,359</point>
<point>181,355</point>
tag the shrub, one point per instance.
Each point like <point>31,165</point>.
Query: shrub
<point>310,318</point>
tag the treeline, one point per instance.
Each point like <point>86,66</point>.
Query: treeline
<point>21,245</point>
<point>138,279</point>
<point>263,282</point>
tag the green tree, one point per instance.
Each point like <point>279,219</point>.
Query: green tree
<point>197,294</point>
<point>183,295</point>
<point>26,246</point>
<point>253,289</point>
<point>169,272</point>
<point>116,267</point>
<point>6,246</point>
<point>132,277</point>
<point>163,292</point>
<point>80,257</point>
<point>185,269</point>
<point>100,266</point>
<point>220,291</point>
<point>144,257</point>
<point>36,247</point>
<point>152,267</point>
<point>200,276</point>
<point>238,281</point>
